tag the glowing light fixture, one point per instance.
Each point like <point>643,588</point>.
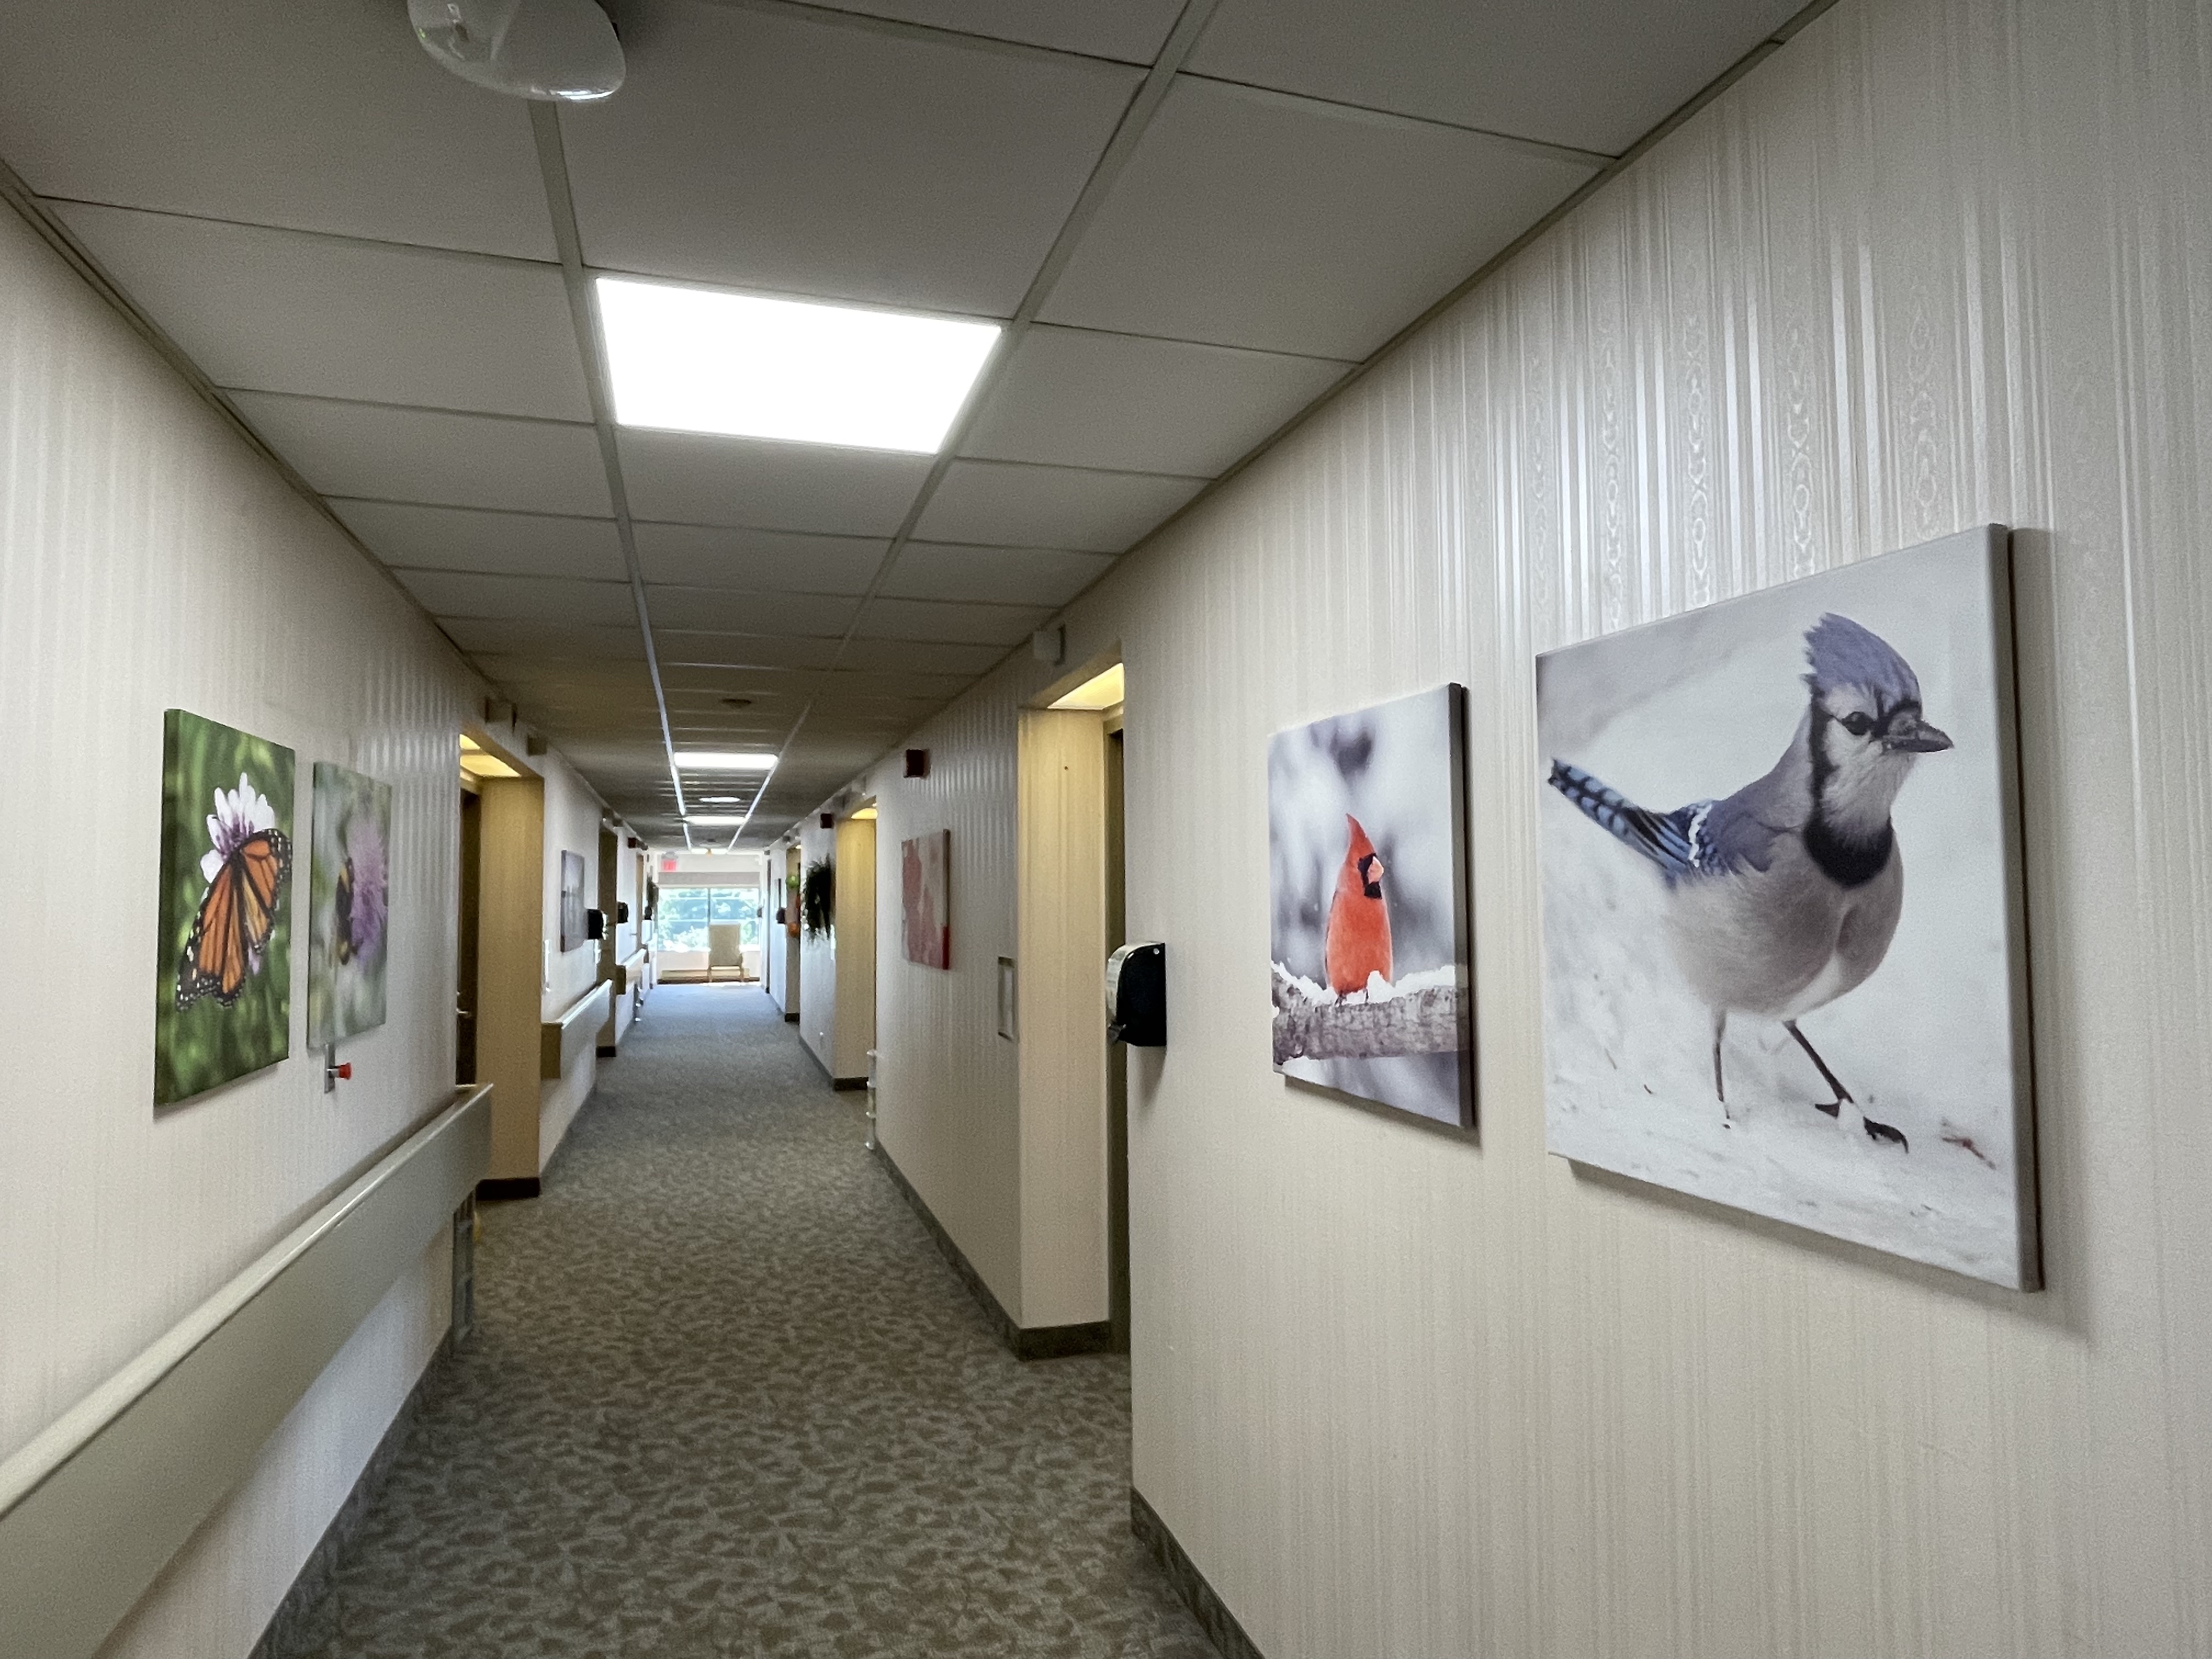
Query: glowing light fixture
<point>1099,691</point>
<point>693,359</point>
<point>478,763</point>
<point>725,760</point>
<point>865,814</point>
<point>710,820</point>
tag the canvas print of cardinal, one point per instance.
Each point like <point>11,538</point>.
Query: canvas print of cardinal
<point>1783,946</point>
<point>1367,849</point>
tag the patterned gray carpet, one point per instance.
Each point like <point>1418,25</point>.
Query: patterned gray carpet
<point>724,1397</point>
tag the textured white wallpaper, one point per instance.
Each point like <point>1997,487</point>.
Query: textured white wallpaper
<point>1937,263</point>
<point>149,559</point>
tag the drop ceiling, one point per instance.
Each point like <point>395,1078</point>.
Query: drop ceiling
<point>1196,220</point>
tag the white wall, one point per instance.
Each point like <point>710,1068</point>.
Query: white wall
<point>149,559</point>
<point>572,812</point>
<point>1936,263</point>
<point>948,1089</point>
<point>818,964</point>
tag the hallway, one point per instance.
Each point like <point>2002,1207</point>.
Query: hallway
<point>724,1397</point>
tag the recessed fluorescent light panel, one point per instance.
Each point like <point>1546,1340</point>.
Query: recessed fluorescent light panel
<point>711,820</point>
<point>725,760</point>
<point>691,360</point>
<point>1100,691</point>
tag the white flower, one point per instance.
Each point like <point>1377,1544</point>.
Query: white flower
<point>239,815</point>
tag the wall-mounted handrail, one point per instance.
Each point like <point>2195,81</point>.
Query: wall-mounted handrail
<point>560,1041</point>
<point>93,1508</point>
<point>629,972</point>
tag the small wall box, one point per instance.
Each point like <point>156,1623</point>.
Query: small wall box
<point>1137,996</point>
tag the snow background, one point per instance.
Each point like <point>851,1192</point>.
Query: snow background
<point>1393,768</point>
<point>1694,708</point>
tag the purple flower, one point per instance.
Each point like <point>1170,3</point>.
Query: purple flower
<point>365,853</point>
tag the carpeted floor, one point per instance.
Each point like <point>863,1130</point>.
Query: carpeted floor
<point>724,1397</point>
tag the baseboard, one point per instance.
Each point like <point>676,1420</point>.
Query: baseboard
<point>311,1583</point>
<point>1212,1613</point>
<point>1024,1342</point>
<point>494,1187</point>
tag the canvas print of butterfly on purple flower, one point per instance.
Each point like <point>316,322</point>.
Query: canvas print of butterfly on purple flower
<point>222,987</point>
<point>1783,951</point>
<point>348,898</point>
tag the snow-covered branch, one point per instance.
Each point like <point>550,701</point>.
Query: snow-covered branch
<point>1419,1015</point>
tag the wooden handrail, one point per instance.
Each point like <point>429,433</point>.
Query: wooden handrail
<point>560,1041</point>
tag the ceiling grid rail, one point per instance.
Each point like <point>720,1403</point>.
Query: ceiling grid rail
<point>560,203</point>
<point>1144,104</point>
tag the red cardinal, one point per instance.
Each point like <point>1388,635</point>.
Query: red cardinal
<point>1358,920</point>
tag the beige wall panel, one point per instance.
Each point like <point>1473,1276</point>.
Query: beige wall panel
<point>1061,856</point>
<point>855,1025</point>
<point>1936,263</point>
<point>510,969</point>
<point>149,559</point>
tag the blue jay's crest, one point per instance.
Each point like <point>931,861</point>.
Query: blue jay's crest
<point>1844,654</point>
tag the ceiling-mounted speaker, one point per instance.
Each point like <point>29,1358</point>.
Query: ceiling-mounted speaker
<point>557,49</point>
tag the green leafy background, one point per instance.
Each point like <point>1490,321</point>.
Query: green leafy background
<point>196,1047</point>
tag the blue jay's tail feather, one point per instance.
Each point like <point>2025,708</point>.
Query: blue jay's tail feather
<point>1671,840</point>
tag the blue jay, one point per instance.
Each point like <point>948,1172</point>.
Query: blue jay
<point>1784,896</point>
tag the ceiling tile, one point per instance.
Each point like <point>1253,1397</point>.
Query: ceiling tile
<point>1249,218</point>
<point>500,544</point>
<point>700,648</point>
<point>926,656</point>
<point>532,599</point>
<point>1000,625</point>
<point>813,153</point>
<point>705,557</point>
<point>1016,576</point>
<point>1133,30</point>
<point>388,453</point>
<point>1005,505</point>
<point>1595,74</point>
<point>334,318</point>
<point>691,479</point>
<point>545,641</point>
<point>722,609</point>
<point>1082,398</point>
<point>317,117</point>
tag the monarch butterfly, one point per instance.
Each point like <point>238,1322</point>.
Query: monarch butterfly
<point>235,916</point>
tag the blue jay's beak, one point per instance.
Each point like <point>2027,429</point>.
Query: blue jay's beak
<point>1918,739</point>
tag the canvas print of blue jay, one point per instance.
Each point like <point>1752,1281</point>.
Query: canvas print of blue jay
<point>1367,844</point>
<point>1781,908</point>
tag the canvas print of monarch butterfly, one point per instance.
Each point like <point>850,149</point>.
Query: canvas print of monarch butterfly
<point>346,904</point>
<point>223,1003</point>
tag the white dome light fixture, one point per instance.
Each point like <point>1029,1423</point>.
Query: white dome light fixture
<point>564,51</point>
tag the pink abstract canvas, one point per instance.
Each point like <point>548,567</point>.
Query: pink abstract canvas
<point>924,881</point>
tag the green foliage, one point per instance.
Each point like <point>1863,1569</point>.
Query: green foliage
<point>196,1047</point>
<point>817,898</point>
